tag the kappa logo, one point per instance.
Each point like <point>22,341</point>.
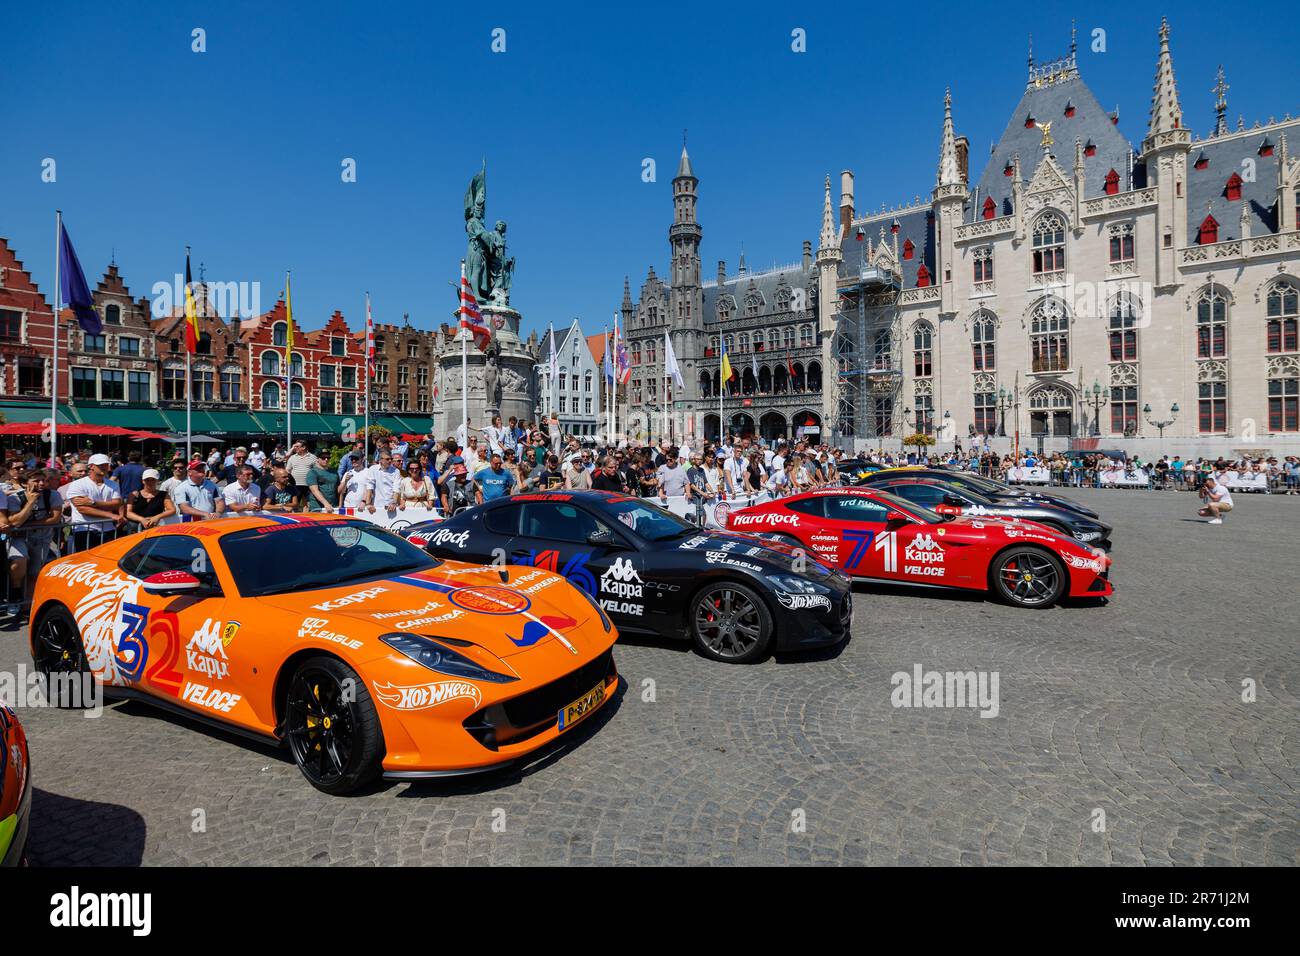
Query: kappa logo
<point>205,653</point>
<point>924,542</point>
<point>424,696</point>
<point>355,598</point>
<point>622,580</point>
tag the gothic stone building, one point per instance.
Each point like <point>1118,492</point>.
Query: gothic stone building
<point>1074,294</point>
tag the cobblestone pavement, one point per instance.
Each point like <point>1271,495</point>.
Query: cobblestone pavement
<point>1133,709</point>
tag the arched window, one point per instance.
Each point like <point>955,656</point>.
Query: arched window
<point>1049,336</point>
<point>706,383</point>
<point>271,363</point>
<point>805,336</point>
<point>773,339</point>
<point>882,347</point>
<point>984,342</point>
<point>730,342</point>
<point>271,394</point>
<point>1124,314</point>
<point>909,249</point>
<point>815,377</point>
<point>1049,244</point>
<point>278,334</point>
<point>296,364</point>
<point>586,382</point>
<point>923,350</point>
<point>1282,315</point>
<point>787,335</point>
<point>744,342</point>
<point>296,393</point>
<point>1211,324</point>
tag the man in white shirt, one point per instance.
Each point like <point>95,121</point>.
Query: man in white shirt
<point>352,488</point>
<point>777,461</point>
<point>1217,500</point>
<point>462,435</point>
<point>241,494</point>
<point>256,457</point>
<point>736,468</point>
<point>381,482</point>
<point>97,507</point>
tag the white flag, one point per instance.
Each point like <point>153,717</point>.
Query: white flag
<point>670,361</point>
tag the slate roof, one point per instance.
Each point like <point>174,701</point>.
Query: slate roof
<point>1047,104</point>
<point>915,224</point>
<point>1205,187</point>
<point>767,284</point>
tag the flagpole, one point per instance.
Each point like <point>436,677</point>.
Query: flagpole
<point>366,373</point>
<point>58,306</point>
<point>189,379</point>
<point>464,361</point>
<point>288,366</point>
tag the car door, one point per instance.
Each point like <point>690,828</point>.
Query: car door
<point>568,539</point>
<point>183,647</point>
<point>862,537</point>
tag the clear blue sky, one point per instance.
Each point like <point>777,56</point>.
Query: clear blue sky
<point>237,151</point>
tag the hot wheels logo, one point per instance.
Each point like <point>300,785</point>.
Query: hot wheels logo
<point>424,696</point>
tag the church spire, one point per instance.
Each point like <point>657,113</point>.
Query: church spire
<point>684,166</point>
<point>949,171</point>
<point>829,236</point>
<point>1166,114</point>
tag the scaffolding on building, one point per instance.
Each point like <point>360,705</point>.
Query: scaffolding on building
<point>868,376</point>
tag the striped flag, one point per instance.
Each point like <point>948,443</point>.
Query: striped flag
<point>191,313</point>
<point>622,367</point>
<point>471,318</point>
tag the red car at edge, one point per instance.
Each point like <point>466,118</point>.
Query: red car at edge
<point>877,536</point>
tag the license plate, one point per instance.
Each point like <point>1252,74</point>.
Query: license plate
<point>587,704</point>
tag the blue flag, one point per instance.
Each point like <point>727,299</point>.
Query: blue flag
<point>72,286</point>
<point>609,361</point>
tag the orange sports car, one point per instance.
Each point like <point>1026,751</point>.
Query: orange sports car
<point>360,652</point>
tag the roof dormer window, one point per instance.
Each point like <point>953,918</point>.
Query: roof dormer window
<point>1112,183</point>
<point>1090,148</point>
<point>1209,231</point>
<point>1202,161</point>
<point>1008,169</point>
<point>1069,109</point>
<point>990,208</point>
<point>1232,188</point>
<point>922,276</point>
<point>909,249</point>
<point>1266,147</point>
<point>1030,122</point>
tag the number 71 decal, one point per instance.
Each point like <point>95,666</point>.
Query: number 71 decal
<point>863,541</point>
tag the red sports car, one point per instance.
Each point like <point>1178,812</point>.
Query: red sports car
<point>877,536</point>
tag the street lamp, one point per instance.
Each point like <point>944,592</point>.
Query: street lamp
<point>1097,398</point>
<point>1005,400</point>
<point>1161,424</point>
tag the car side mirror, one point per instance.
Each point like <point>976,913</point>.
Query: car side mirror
<point>167,583</point>
<point>604,538</point>
<point>897,518</point>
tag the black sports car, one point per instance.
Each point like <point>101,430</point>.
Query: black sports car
<point>734,595</point>
<point>994,488</point>
<point>940,493</point>
<point>852,471</point>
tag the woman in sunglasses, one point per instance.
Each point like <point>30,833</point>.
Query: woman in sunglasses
<point>415,490</point>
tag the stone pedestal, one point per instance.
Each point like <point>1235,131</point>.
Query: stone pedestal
<point>516,387</point>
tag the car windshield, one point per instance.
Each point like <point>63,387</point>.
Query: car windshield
<point>909,507</point>
<point>302,557</point>
<point>649,521</point>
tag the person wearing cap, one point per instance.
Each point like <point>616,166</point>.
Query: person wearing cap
<point>96,505</point>
<point>196,498</point>
<point>242,494</point>
<point>149,505</point>
<point>322,484</point>
<point>256,457</point>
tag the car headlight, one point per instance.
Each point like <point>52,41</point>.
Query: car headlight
<point>797,585</point>
<point>604,618</point>
<point>429,653</point>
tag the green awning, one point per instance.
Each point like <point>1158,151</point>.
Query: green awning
<point>34,412</point>
<point>141,417</point>
<point>234,423</point>
<point>309,423</point>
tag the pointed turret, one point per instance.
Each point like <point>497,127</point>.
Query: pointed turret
<point>1166,114</point>
<point>949,174</point>
<point>830,235</point>
<point>684,165</point>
